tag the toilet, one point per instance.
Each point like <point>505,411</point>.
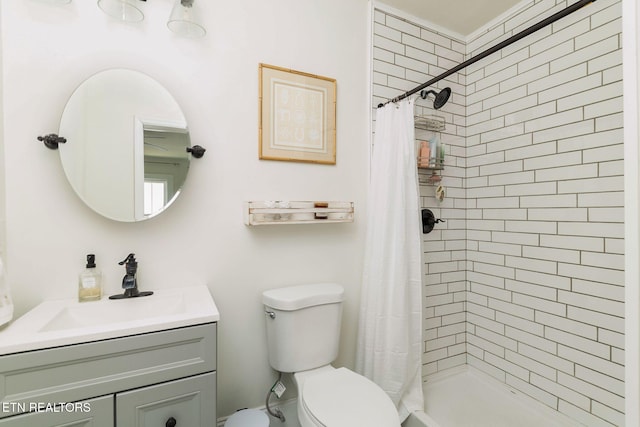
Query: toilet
<point>303,333</point>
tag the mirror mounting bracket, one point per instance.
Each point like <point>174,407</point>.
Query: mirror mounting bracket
<point>196,151</point>
<point>52,140</point>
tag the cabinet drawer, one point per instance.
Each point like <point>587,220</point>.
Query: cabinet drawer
<point>76,372</point>
<point>191,402</point>
<point>96,412</point>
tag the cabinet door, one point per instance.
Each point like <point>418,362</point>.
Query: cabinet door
<point>76,372</point>
<point>88,413</point>
<point>189,402</point>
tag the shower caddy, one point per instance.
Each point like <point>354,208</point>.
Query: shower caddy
<point>435,164</point>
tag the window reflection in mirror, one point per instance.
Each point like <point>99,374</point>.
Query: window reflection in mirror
<point>166,162</point>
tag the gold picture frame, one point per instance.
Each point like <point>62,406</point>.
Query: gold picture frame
<point>297,117</point>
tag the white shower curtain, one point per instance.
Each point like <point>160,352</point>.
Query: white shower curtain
<point>389,350</point>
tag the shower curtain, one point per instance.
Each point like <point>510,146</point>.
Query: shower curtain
<point>389,350</point>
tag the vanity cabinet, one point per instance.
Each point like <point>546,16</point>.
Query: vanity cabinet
<point>100,415</point>
<point>155,379</point>
<point>185,402</point>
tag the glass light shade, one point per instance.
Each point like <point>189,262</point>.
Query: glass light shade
<point>183,20</point>
<point>124,10</point>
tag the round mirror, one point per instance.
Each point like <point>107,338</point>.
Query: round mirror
<point>125,154</point>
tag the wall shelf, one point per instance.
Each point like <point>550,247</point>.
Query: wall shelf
<point>297,212</point>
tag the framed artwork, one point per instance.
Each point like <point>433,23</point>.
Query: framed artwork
<point>297,117</point>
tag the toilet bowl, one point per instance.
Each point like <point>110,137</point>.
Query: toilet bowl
<point>330,397</point>
<point>303,331</point>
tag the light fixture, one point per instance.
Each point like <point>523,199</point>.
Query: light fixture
<point>124,10</point>
<point>183,19</point>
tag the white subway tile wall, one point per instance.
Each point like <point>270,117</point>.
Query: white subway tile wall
<point>405,56</point>
<point>525,280</point>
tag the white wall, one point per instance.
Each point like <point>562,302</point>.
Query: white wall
<point>545,224</point>
<point>2,175</point>
<point>48,50</point>
<point>6,306</point>
<point>406,54</point>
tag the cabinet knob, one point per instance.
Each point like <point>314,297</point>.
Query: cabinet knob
<point>171,422</point>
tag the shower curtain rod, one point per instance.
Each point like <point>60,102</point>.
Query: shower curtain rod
<point>532,29</point>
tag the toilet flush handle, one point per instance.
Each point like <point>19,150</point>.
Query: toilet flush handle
<point>271,314</point>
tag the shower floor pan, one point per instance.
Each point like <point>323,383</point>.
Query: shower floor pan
<point>467,397</point>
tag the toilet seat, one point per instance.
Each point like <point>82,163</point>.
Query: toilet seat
<point>342,398</point>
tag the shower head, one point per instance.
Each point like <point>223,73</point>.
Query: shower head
<point>441,97</point>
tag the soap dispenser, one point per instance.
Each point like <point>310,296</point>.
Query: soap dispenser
<point>90,286</point>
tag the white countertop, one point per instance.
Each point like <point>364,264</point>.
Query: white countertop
<point>63,322</point>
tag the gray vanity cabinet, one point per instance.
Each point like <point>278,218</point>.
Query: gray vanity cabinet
<point>186,401</point>
<point>100,415</point>
<point>155,379</point>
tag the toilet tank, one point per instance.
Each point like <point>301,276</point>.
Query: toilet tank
<point>303,325</point>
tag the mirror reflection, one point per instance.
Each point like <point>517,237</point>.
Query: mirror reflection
<point>125,154</point>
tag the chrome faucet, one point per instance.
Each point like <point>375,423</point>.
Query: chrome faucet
<point>130,281</point>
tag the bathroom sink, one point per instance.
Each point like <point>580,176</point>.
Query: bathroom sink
<point>106,311</point>
<point>63,322</point>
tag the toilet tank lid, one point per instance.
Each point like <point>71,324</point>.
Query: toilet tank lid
<point>301,296</point>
